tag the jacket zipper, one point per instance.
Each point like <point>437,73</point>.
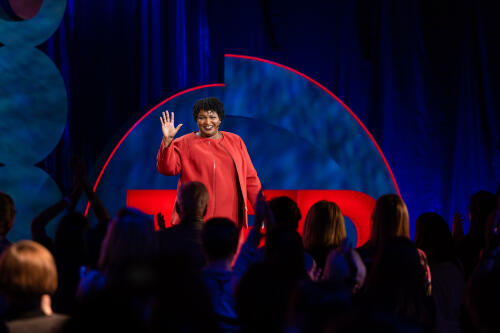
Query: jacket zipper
<point>237,175</point>
<point>213,211</point>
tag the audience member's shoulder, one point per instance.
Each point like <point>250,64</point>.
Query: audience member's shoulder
<point>179,231</point>
<point>42,324</point>
<point>366,251</point>
<point>168,232</point>
<point>91,282</point>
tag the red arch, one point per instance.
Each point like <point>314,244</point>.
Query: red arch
<point>362,230</point>
<point>331,94</point>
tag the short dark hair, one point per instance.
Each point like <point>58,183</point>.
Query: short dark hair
<point>286,212</point>
<point>219,238</point>
<point>192,199</point>
<point>209,103</point>
<point>482,204</point>
<point>7,213</point>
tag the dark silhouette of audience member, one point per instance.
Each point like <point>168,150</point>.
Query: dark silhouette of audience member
<point>264,295</point>
<point>158,295</point>
<point>284,252</point>
<point>220,238</point>
<point>28,278</point>
<point>396,284</point>
<point>390,219</point>
<point>184,239</point>
<point>433,236</point>
<point>140,288</point>
<point>482,204</point>
<point>329,298</point>
<point>129,243</point>
<point>324,230</point>
<point>68,248</point>
<point>344,269</point>
<point>7,217</point>
<point>286,213</point>
<point>75,243</point>
<point>483,289</point>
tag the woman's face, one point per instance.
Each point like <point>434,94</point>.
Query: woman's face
<point>208,123</point>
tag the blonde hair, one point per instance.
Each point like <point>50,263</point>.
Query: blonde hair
<point>27,270</point>
<point>324,226</point>
<point>389,219</point>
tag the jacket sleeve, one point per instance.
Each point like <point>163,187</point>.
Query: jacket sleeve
<point>168,159</point>
<point>253,183</point>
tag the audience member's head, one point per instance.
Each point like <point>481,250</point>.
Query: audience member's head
<point>389,219</point>
<point>482,204</point>
<point>129,242</point>
<point>7,213</point>
<point>27,272</point>
<point>345,269</point>
<point>433,236</point>
<point>192,199</point>
<point>324,229</point>
<point>286,212</point>
<point>219,238</point>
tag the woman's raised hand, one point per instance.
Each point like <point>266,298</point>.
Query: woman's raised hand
<point>168,128</point>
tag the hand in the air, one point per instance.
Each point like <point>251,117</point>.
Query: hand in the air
<point>161,221</point>
<point>263,214</point>
<point>457,229</point>
<point>167,126</point>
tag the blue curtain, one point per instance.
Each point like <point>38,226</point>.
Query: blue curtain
<point>422,75</point>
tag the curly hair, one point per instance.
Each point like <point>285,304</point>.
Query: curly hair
<point>209,103</point>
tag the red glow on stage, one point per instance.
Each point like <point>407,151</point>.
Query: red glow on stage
<point>331,94</point>
<point>356,206</point>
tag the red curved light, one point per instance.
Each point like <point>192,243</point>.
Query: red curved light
<point>331,94</point>
<point>308,195</point>
<point>357,206</point>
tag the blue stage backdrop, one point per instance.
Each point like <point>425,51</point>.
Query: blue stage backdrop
<point>33,110</point>
<point>421,75</point>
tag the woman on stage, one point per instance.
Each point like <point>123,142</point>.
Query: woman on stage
<point>215,158</point>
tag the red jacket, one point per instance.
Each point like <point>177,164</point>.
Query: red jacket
<point>188,156</point>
